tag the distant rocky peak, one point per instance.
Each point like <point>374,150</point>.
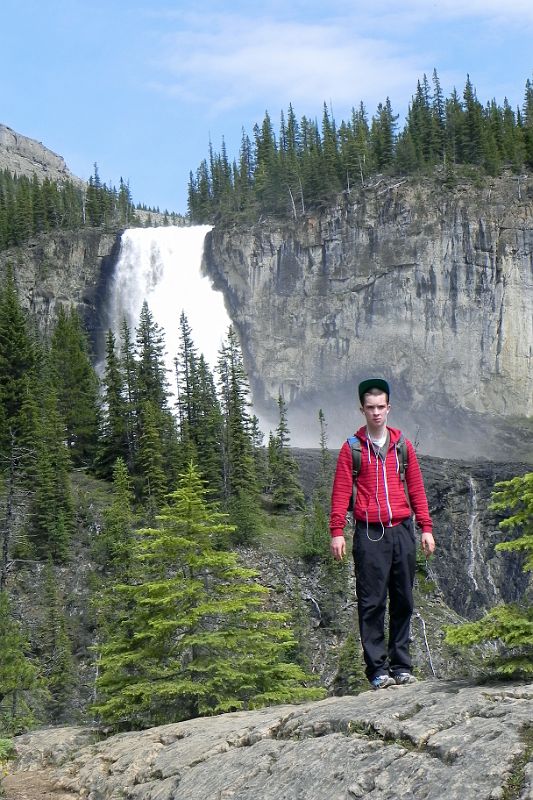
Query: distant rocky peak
<point>24,156</point>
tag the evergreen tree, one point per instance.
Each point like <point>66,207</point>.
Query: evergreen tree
<point>56,659</point>
<point>129,373</point>
<point>286,490</point>
<point>202,641</point>
<point>472,130</point>
<point>150,462</point>
<point>512,625</point>
<point>19,677</point>
<point>17,359</point>
<point>241,486</point>
<point>382,136</point>
<point>316,536</point>
<point>52,507</point>
<point>114,541</point>
<point>527,124</point>
<point>114,438</point>
<point>77,387</point>
<point>350,677</point>
<point>151,379</point>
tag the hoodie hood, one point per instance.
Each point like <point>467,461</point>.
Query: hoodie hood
<point>394,434</point>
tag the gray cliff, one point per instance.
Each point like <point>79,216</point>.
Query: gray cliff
<point>23,156</point>
<point>429,287</point>
<point>65,268</point>
<point>432,741</point>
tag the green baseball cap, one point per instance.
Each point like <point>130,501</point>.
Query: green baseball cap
<point>373,383</point>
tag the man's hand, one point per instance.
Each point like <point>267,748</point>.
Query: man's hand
<point>428,544</point>
<point>338,547</point>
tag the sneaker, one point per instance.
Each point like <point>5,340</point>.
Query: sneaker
<point>382,681</point>
<point>403,678</point>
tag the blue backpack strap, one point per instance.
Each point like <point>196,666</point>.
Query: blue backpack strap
<point>355,447</point>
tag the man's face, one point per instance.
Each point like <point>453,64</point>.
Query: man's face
<point>375,409</point>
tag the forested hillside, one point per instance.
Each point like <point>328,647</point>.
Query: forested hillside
<point>187,478</point>
<point>308,161</point>
<point>29,207</point>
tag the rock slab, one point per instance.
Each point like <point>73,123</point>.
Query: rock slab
<point>429,741</point>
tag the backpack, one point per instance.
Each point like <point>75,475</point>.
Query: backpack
<point>403,461</point>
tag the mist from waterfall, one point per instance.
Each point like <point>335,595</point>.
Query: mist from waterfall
<point>162,266</point>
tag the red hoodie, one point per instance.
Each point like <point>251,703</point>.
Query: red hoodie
<point>380,491</point>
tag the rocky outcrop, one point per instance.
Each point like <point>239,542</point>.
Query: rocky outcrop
<point>432,740</point>
<point>431,288</point>
<point>70,268</point>
<point>21,155</point>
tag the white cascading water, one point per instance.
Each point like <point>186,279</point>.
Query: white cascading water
<point>162,266</point>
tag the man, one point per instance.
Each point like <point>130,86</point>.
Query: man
<point>384,546</point>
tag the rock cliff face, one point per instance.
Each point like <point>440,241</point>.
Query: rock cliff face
<point>431,288</point>
<point>24,156</point>
<point>433,740</point>
<point>70,268</point>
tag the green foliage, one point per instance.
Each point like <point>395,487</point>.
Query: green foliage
<point>17,359</point>
<point>517,494</point>
<point>113,544</point>
<point>315,533</point>
<point>76,386</point>
<point>51,505</point>
<point>350,677</point>
<point>306,165</point>
<point>19,678</point>
<point>7,749</point>
<point>517,780</point>
<point>241,488</point>
<point>56,659</point>
<point>192,636</point>
<point>283,470</point>
<point>29,207</point>
<point>114,441</point>
<point>512,625</point>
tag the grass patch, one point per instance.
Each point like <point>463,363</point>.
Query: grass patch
<point>281,533</point>
<point>517,779</point>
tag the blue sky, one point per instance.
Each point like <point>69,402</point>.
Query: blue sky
<point>141,87</point>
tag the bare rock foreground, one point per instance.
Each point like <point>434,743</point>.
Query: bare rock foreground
<point>430,740</point>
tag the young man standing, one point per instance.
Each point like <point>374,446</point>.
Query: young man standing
<point>384,546</point>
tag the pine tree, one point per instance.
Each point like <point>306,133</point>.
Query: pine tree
<point>19,677</point>
<point>114,541</point>
<point>286,490</point>
<point>150,462</point>
<point>527,124</point>
<point>52,506</point>
<point>315,530</point>
<point>350,677</point>
<point>151,379</point>
<point>56,659</point>
<point>77,386</point>
<point>240,480</point>
<point>511,625</point>
<point>129,372</point>
<point>114,439</point>
<point>382,136</point>
<point>17,359</point>
<point>194,637</point>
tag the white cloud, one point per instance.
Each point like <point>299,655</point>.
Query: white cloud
<point>232,60</point>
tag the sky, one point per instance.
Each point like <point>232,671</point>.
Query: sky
<point>142,86</point>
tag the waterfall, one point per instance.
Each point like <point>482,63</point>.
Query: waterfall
<point>473,532</point>
<point>162,266</point>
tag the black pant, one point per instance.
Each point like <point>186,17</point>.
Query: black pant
<point>385,564</point>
